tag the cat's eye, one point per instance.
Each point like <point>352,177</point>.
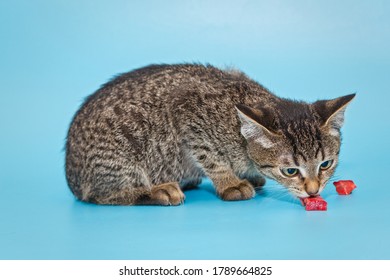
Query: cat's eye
<point>290,172</point>
<point>326,164</point>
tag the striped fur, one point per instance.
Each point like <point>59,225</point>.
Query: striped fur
<point>147,134</point>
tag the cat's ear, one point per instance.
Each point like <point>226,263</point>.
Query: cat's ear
<point>332,112</point>
<point>255,125</point>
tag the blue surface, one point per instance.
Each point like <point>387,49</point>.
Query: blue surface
<point>54,53</point>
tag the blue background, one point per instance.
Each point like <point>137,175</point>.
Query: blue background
<point>54,53</point>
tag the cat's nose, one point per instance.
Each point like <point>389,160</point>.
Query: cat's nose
<point>311,193</point>
<point>312,186</point>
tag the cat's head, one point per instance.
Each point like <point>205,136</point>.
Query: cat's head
<point>295,143</point>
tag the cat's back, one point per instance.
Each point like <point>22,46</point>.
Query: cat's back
<point>146,96</point>
<point>162,82</point>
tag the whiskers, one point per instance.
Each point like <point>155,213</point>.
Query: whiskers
<point>334,177</point>
<point>278,192</point>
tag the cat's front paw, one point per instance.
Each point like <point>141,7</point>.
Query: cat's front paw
<point>242,191</point>
<point>167,194</point>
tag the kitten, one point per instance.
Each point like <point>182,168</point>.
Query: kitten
<point>147,134</point>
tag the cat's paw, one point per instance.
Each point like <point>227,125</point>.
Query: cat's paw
<point>167,194</point>
<point>242,191</point>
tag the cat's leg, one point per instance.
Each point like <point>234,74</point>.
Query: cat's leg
<point>229,186</point>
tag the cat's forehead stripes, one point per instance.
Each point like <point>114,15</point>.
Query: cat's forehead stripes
<point>305,139</point>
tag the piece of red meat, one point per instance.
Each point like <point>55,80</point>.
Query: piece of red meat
<point>344,187</point>
<point>314,203</point>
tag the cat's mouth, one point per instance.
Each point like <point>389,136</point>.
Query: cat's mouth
<point>299,193</point>
<point>304,194</point>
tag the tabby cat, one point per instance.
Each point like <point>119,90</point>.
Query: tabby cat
<point>147,134</point>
